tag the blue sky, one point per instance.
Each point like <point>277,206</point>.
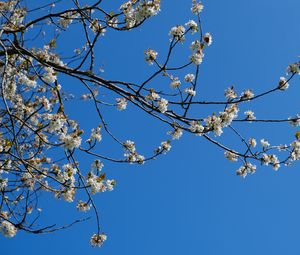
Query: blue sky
<point>190,201</point>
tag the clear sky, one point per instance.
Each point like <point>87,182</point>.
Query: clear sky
<point>190,201</point>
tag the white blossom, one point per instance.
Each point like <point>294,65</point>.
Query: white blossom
<point>176,133</point>
<point>97,164</point>
<point>231,156</point>
<point>152,96</point>
<point>230,94</point>
<point>252,142</point>
<point>71,141</point>
<point>196,7</point>
<point>83,206</point>
<point>150,56</point>
<point>3,183</point>
<point>247,94</point>
<point>293,68</point>
<point>69,195</point>
<point>247,168</point>
<point>283,83</point>
<point>295,121</point>
<point>192,25</point>
<point>189,77</point>
<point>175,83</point>
<point>49,75</point>
<point>163,105</point>
<point>207,38</point>
<point>190,91</point>
<point>8,229</point>
<point>113,22</point>
<point>196,128</point>
<point>249,115</point>
<point>24,79</point>
<point>166,146</point>
<point>129,145</point>
<point>196,46</point>
<point>97,27</point>
<point>265,159</point>
<point>96,134</point>
<point>121,103</point>
<point>178,33</point>
<point>110,184</point>
<point>96,183</point>
<point>264,143</point>
<point>97,240</point>
<point>56,123</point>
<point>197,58</point>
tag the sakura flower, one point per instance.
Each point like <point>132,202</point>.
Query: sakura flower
<point>190,91</point>
<point>196,7</point>
<point>50,75</point>
<point>264,143</point>
<point>283,83</point>
<point>150,56</point>
<point>249,115</point>
<point>247,94</point>
<point>121,103</point>
<point>192,25</point>
<point>176,133</point>
<point>252,142</point>
<point>163,105</point>
<point>175,83</point>
<point>97,240</point>
<point>8,229</point>
<point>178,33</point>
<point>189,77</point>
<point>231,156</point>
<point>207,38</point>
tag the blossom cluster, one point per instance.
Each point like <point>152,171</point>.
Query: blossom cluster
<point>136,14</point>
<point>41,141</point>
